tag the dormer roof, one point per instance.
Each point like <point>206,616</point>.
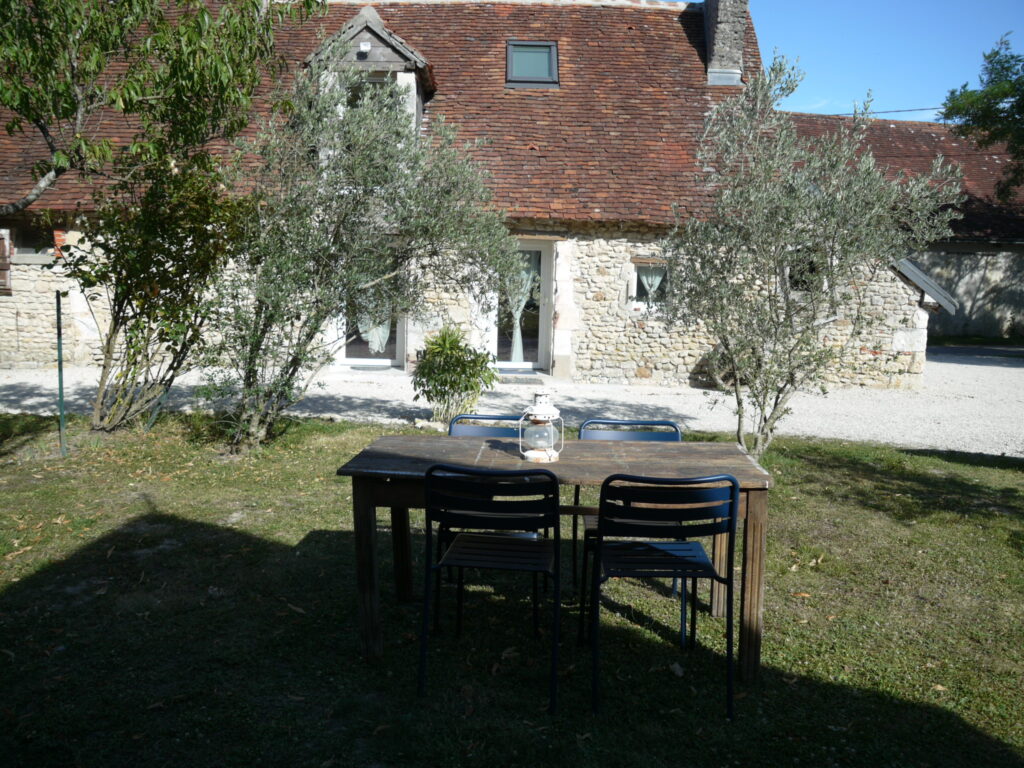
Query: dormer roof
<point>388,51</point>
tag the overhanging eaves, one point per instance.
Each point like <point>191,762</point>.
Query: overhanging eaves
<point>914,274</point>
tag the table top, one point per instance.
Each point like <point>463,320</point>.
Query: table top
<point>582,462</point>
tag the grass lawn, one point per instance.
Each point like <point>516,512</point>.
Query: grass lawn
<point>162,604</point>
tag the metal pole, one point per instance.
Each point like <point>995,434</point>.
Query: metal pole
<point>60,380</point>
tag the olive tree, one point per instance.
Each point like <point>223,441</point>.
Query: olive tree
<point>353,215</point>
<point>779,270</point>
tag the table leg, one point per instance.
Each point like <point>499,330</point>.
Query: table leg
<point>401,544</point>
<point>720,559</point>
<point>364,519</point>
<point>752,592</point>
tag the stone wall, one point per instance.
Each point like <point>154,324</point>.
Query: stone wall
<point>600,334</point>
<point>618,341</point>
<point>28,320</point>
<point>988,283</point>
<point>890,352</point>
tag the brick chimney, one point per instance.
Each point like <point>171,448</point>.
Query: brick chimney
<point>725,22</point>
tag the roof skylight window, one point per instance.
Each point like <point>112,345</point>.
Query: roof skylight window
<point>531,64</point>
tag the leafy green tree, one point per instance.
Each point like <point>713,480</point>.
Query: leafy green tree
<point>171,74</point>
<point>151,250</point>
<point>354,216</point>
<point>779,272</point>
<point>994,113</point>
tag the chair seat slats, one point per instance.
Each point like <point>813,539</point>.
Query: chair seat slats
<point>663,558</point>
<point>500,553</point>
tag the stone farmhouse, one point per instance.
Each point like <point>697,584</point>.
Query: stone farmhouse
<point>590,112</point>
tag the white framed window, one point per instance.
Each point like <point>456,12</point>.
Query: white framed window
<point>647,285</point>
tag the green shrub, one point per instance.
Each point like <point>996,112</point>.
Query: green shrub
<point>451,375</point>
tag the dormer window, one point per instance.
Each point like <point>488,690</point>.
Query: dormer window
<point>531,64</point>
<point>373,48</point>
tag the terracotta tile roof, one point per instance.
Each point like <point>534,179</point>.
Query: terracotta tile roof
<point>615,142</point>
<point>912,146</point>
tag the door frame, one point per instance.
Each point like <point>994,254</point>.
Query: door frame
<point>545,309</point>
<point>376,362</point>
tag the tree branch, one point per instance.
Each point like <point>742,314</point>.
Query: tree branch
<point>6,209</point>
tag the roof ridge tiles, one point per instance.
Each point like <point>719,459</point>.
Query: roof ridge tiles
<point>658,5</point>
<point>891,121</point>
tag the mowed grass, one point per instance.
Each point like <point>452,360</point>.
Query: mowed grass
<point>164,604</point>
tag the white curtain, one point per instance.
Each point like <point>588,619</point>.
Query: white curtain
<point>375,334</point>
<point>519,291</point>
<point>650,277</point>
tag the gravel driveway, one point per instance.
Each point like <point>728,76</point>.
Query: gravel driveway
<point>972,400</point>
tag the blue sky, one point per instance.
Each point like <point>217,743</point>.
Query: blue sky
<point>909,53</point>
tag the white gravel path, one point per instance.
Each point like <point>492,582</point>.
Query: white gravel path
<point>972,400</point>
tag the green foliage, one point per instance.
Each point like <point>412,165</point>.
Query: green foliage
<point>778,273</point>
<point>994,112</point>
<point>154,246</point>
<point>354,217</point>
<point>182,71</point>
<point>451,374</point>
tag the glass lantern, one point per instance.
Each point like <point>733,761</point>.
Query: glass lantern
<point>541,429</point>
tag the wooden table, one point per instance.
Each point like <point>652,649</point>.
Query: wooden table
<point>390,473</point>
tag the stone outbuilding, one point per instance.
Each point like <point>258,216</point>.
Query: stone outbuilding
<point>588,115</point>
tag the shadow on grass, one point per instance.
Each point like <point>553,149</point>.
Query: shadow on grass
<point>889,481</point>
<point>969,459</point>
<point>170,642</point>
<point>18,429</point>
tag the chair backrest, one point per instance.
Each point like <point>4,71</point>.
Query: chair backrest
<point>656,430</point>
<point>459,426</point>
<point>461,497</point>
<point>639,507</point>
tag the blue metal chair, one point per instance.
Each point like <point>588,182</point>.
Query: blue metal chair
<point>646,527</point>
<point>467,425</point>
<point>640,430</point>
<point>488,500</point>
<point>462,425</point>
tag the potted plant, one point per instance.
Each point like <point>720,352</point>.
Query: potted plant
<point>451,374</point>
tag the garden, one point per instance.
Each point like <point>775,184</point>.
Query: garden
<point>164,601</point>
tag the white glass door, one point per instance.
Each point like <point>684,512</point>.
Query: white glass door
<point>523,327</point>
<point>372,344</point>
